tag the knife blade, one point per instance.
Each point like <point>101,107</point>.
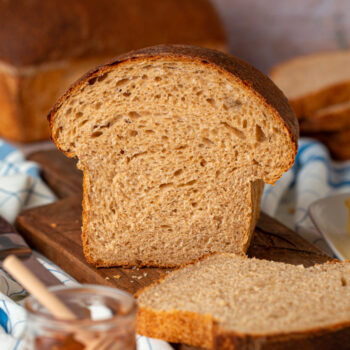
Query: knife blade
<point>11,242</point>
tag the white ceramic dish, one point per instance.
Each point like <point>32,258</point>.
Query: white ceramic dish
<point>330,217</point>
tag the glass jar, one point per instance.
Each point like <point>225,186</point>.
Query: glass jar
<point>105,321</point>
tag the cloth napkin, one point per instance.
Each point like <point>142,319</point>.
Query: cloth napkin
<point>313,176</point>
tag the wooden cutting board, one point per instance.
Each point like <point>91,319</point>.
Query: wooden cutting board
<point>55,229</point>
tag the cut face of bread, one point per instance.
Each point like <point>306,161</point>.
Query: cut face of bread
<point>228,298</point>
<point>175,148</point>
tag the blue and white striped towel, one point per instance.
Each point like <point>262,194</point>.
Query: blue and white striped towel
<point>313,176</point>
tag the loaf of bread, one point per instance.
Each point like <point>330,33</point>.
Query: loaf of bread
<point>227,302</point>
<point>333,118</point>
<point>175,143</point>
<point>315,81</point>
<point>338,142</point>
<point>46,45</point>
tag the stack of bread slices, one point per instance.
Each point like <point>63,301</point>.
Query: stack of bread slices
<point>318,88</point>
<point>175,143</point>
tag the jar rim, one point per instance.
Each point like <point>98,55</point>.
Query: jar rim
<point>118,294</point>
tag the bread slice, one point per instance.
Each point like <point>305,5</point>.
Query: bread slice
<point>175,143</point>
<point>227,301</point>
<point>315,81</point>
<point>333,118</point>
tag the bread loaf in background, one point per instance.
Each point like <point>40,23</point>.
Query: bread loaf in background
<point>318,88</point>
<point>175,143</point>
<point>46,45</point>
<point>230,302</point>
<point>314,81</point>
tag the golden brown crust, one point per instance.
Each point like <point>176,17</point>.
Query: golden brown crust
<point>334,337</point>
<point>37,31</point>
<point>176,326</point>
<point>233,67</point>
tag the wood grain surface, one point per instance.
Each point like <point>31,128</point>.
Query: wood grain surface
<point>55,231</point>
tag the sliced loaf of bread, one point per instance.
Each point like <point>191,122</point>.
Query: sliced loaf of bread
<point>315,81</point>
<point>227,301</point>
<point>175,143</point>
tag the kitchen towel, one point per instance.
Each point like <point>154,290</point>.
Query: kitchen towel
<point>313,176</point>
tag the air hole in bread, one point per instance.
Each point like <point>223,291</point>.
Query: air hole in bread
<point>207,141</point>
<point>149,131</point>
<point>121,82</point>
<point>96,134</point>
<point>98,105</point>
<point>181,147</point>
<point>245,124</point>
<point>92,81</point>
<point>189,183</point>
<point>165,138</point>
<point>102,77</point>
<point>194,204</point>
<point>233,130</point>
<point>144,77</point>
<point>134,115</point>
<point>78,114</point>
<point>127,93</point>
<point>157,78</point>
<point>58,131</point>
<point>255,162</point>
<point>218,220</point>
<point>211,101</point>
<point>165,185</point>
<point>69,111</point>
<point>203,162</point>
<point>137,155</point>
<point>133,133</point>
<point>217,173</point>
<point>259,134</point>
<point>343,282</point>
<point>178,172</point>
<point>157,96</point>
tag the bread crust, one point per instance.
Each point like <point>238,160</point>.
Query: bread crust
<point>334,337</point>
<point>234,68</point>
<point>177,326</point>
<point>39,31</point>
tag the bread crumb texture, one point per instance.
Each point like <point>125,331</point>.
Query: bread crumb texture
<point>174,152</point>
